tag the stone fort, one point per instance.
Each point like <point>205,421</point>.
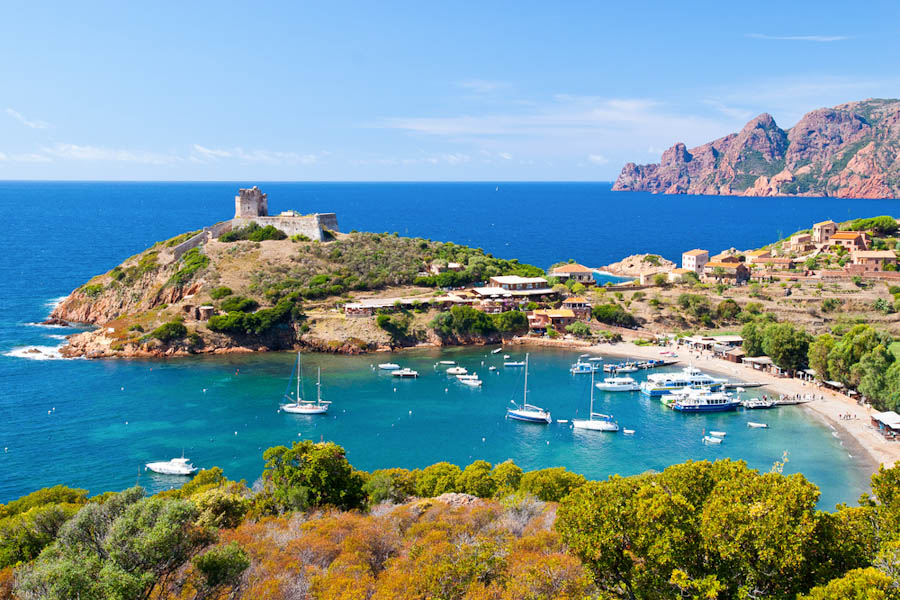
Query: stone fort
<point>252,206</point>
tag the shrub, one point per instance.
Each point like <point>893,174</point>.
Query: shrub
<point>437,479</point>
<point>170,331</point>
<point>579,328</point>
<point>727,309</point>
<point>612,314</point>
<point>239,303</point>
<point>476,480</point>
<point>253,233</point>
<point>191,261</point>
<point>394,485</point>
<point>551,485</point>
<point>220,292</point>
<point>92,291</point>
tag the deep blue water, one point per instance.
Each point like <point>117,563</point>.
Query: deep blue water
<point>57,235</point>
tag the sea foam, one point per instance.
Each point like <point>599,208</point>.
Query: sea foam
<point>36,352</point>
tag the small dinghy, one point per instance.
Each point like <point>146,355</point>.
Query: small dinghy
<point>446,362</point>
<point>388,366</point>
<point>628,431</point>
<point>717,433</point>
<point>709,439</point>
<point>497,350</point>
<point>753,425</point>
<point>457,371</point>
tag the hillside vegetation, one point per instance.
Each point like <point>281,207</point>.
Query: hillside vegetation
<point>316,528</point>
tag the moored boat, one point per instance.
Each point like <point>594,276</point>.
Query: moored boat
<point>514,363</point>
<point>706,402</point>
<point>758,403</point>
<point>709,439</point>
<point>174,466</point>
<point>388,366</point>
<point>457,371</point>
<point>528,413</point>
<point>658,384</point>
<point>602,422</point>
<point>405,372</point>
<point>753,425</point>
<point>618,384</point>
<point>299,406</point>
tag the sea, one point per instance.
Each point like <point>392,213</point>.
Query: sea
<point>94,423</point>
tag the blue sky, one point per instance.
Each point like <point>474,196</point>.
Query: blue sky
<point>449,91</point>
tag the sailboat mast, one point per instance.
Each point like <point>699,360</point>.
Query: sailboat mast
<point>319,386</point>
<point>592,393</point>
<point>525,391</point>
<point>298,377</point>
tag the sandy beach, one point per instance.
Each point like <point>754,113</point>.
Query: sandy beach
<point>855,431</point>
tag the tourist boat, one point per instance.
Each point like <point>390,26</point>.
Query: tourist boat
<point>528,412</point>
<point>405,372</point>
<point>753,425</point>
<point>709,439</point>
<point>388,366</point>
<point>583,368</point>
<point>757,403</point>
<point>471,382</point>
<point>717,433</point>
<point>706,402</point>
<point>618,384</point>
<point>174,466</point>
<point>658,384</point>
<point>600,423</point>
<point>457,371</point>
<point>299,406</point>
<point>514,363</point>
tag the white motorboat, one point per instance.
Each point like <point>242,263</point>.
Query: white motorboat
<point>602,422</point>
<point>388,366</point>
<point>514,363</point>
<point>497,350</point>
<point>446,362</point>
<point>492,368</point>
<point>471,382</point>
<point>627,368</point>
<point>174,466</point>
<point>595,359</point>
<point>709,439</point>
<point>618,384</point>
<point>582,367</point>
<point>757,403</point>
<point>505,356</point>
<point>405,372</point>
<point>628,431</point>
<point>718,433</point>
<point>659,384</point>
<point>753,425</point>
<point>457,371</point>
<point>299,406</point>
<point>706,401</point>
<point>528,412</point>
<point>467,376</point>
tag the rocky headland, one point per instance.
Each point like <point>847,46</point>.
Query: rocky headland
<point>636,264</point>
<point>849,151</point>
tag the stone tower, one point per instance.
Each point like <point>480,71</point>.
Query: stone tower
<point>251,203</point>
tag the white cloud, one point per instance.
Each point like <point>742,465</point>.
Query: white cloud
<point>799,38</point>
<point>203,154</point>
<point>481,86</point>
<point>34,124</point>
<point>733,112</point>
<point>598,159</point>
<point>445,158</point>
<point>97,153</point>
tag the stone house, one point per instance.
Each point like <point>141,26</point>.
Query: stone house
<point>800,243</point>
<point>560,318</point>
<point>693,260</point>
<point>873,260</point>
<point>851,240</point>
<point>823,231</point>
<point>736,273</point>
<point>578,305</point>
<point>755,255</point>
<point>579,273</point>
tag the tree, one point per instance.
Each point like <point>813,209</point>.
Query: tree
<point>752,333</point>
<point>476,480</point>
<point>578,288</point>
<point>727,310</point>
<point>309,475</point>
<point>506,476</point>
<point>849,350</point>
<point>858,584</point>
<point>817,357</point>
<point>551,485</point>
<point>511,321</point>
<point>221,566</point>
<point>613,314</point>
<point>579,328</point>
<point>437,479</point>
<point>786,345</point>
<point>393,485</point>
<point>872,371</point>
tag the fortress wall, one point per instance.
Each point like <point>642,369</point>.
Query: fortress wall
<point>308,226</point>
<point>204,236</point>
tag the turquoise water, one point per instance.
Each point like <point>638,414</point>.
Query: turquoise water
<point>112,416</point>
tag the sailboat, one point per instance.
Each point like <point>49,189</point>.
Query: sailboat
<point>601,423</point>
<point>305,407</point>
<point>528,412</point>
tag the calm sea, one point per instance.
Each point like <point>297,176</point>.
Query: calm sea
<point>94,423</point>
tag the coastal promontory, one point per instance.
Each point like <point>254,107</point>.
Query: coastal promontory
<point>849,151</point>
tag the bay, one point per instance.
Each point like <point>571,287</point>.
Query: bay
<point>59,234</point>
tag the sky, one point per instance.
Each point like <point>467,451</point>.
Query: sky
<point>414,91</point>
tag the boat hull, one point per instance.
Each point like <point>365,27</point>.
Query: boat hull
<point>595,425</point>
<point>704,408</point>
<point>607,387</point>
<point>296,409</point>
<point>527,416</point>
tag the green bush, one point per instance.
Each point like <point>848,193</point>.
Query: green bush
<point>170,331</point>
<point>92,291</point>
<point>613,314</point>
<point>287,309</point>
<point>191,261</point>
<point>551,485</point>
<point>437,479</point>
<point>220,292</point>
<point>239,304</point>
<point>253,233</point>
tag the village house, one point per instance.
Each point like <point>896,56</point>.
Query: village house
<point>578,305</point>
<point>736,273</point>
<point>559,319</point>
<point>438,268</point>
<point>726,254</point>
<point>755,255</point>
<point>677,275</point>
<point>823,231</point>
<point>693,260</point>
<point>513,286</point>
<point>800,243</point>
<point>776,264</point>
<point>873,260</point>
<point>851,240</point>
<point>574,271</point>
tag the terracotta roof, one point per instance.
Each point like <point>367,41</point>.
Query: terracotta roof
<point>571,268</point>
<point>575,299</point>
<point>713,265</point>
<point>696,252</point>
<point>559,313</point>
<point>846,235</point>
<point>825,223</point>
<point>680,271</point>
<point>758,252</point>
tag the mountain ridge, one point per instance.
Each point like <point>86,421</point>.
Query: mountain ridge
<point>848,151</point>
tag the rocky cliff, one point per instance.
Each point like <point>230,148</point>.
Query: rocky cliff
<point>849,151</point>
